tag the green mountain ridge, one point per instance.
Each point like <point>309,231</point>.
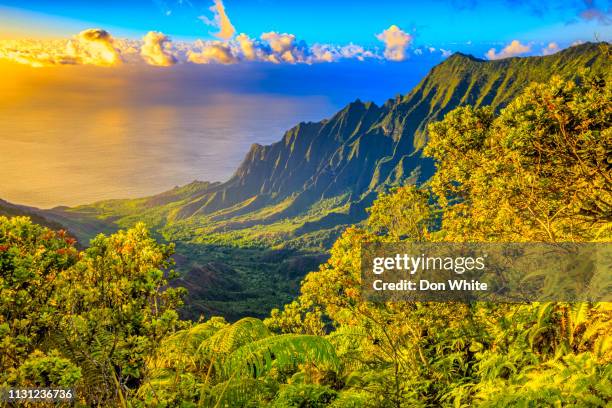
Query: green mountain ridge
<point>288,201</point>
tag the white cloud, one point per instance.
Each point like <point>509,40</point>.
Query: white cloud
<point>356,51</point>
<point>271,47</point>
<point>324,53</point>
<point>550,49</point>
<point>285,48</point>
<point>511,50</point>
<point>396,41</point>
<point>156,50</point>
<point>212,52</point>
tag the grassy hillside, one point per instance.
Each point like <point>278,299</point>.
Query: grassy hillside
<point>289,201</point>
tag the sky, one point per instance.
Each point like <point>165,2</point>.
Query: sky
<point>437,21</point>
<point>112,99</point>
<point>474,26</point>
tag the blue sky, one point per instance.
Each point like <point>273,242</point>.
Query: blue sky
<point>438,23</point>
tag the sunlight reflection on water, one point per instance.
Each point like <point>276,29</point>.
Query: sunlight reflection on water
<point>71,156</point>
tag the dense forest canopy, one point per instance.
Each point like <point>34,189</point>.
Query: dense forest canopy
<point>105,322</point>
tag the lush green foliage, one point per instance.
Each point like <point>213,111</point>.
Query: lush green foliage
<point>538,172</point>
<point>84,319</point>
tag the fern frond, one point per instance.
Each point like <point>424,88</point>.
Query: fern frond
<point>254,359</point>
<point>232,337</point>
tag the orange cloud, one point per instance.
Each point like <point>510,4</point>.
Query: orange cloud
<point>93,46</point>
<point>249,49</point>
<point>285,48</point>
<point>220,21</point>
<point>156,50</point>
<point>97,47</point>
<point>550,49</point>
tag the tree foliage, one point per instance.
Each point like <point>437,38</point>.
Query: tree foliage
<point>85,319</point>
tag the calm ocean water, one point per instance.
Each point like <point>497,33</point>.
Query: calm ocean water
<point>69,157</point>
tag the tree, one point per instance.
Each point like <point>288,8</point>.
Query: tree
<point>31,257</point>
<point>87,319</point>
<point>117,308</point>
<point>538,172</point>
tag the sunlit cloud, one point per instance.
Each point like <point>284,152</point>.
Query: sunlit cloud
<point>551,48</point>
<point>93,46</point>
<point>97,47</point>
<point>350,51</point>
<point>396,42</point>
<point>36,53</point>
<point>220,20</point>
<point>206,52</point>
<point>513,49</point>
<point>285,48</point>
<point>156,50</point>
<point>271,47</point>
<point>248,47</point>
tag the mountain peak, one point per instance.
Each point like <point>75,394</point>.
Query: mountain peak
<point>462,56</point>
<point>358,104</point>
